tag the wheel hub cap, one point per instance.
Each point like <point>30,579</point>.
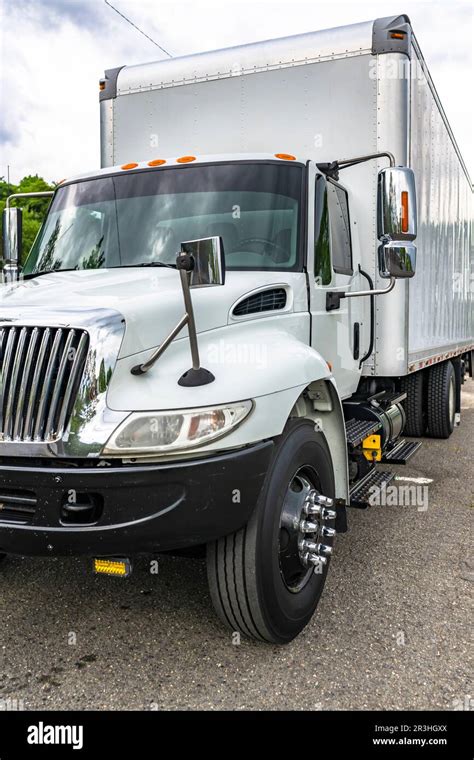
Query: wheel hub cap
<point>306,533</point>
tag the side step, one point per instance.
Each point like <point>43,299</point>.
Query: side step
<point>402,452</point>
<point>357,430</point>
<point>363,490</point>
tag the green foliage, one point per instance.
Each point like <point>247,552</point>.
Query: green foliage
<point>34,209</point>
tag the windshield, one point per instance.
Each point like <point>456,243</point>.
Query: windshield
<point>142,218</point>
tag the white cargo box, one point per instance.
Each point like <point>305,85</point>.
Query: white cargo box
<point>326,95</point>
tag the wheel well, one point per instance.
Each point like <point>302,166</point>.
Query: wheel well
<point>320,403</point>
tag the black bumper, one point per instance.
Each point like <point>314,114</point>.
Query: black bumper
<point>132,509</point>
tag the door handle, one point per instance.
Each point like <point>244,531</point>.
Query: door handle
<point>356,350</point>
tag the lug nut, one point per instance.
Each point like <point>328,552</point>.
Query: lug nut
<point>323,501</point>
<point>324,549</point>
<point>313,559</point>
<point>312,510</point>
<point>316,560</point>
<point>308,527</point>
<point>327,532</point>
<point>316,502</point>
<point>309,546</point>
<point>328,514</point>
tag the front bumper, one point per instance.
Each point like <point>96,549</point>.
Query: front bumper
<point>139,508</point>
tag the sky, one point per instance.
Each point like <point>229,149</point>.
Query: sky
<point>53,53</point>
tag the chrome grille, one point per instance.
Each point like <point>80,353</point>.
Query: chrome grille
<point>40,372</point>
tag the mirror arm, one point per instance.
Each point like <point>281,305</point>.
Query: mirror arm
<point>142,369</point>
<point>197,375</point>
<point>43,194</point>
<point>332,169</point>
<point>333,297</point>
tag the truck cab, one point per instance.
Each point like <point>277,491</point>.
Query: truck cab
<point>108,448</point>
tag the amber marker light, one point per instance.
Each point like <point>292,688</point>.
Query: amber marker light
<point>157,162</point>
<point>129,166</point>
<point>404,211</point>
<point>118,567</point>
<point>285,156</point>
<point>185,159</point>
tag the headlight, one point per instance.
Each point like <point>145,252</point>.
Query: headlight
<point>168,432</point>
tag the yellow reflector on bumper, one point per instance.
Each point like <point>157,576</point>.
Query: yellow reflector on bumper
<point>120,567</point>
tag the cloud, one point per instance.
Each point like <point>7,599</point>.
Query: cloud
<point>7,135</point>
<point>55,51</point>
<point>82,13</point>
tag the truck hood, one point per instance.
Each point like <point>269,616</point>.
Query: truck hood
<point>150,300</point>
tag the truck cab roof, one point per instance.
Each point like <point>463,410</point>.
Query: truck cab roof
<point>157,163</point>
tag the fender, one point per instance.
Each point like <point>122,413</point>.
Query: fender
<point>273,366</point>
<point>248,361</point>
<point>321,402</point>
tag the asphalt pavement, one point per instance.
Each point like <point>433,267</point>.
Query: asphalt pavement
<point>391,631</point>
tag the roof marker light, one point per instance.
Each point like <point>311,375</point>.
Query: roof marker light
<point>157,162</point>
<point>129,166</point>
<point>285,156</point>
<point>185,159</point>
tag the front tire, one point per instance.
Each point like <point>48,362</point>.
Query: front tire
<point>262,582</point>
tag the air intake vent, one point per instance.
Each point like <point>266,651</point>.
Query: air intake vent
<point>40,372</point>
<point>17,506</point>
<point>266,300</point>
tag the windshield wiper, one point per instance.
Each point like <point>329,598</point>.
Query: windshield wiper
<point>31,275</point>
<point>146,264</point>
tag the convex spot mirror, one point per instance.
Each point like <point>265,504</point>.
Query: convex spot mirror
<point>397,260</point>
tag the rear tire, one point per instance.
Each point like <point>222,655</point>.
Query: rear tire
<point>441,400</point>
<point>415,404</point>
<point>258,581</point>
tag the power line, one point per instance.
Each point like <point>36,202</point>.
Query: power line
<point>137,28</point>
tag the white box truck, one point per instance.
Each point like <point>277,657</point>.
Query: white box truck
<point>218,339</point>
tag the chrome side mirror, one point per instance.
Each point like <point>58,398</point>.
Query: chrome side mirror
<point>209,262</point>
<point>12,239</point>
<point>397,222</point>
<point>396,204</point>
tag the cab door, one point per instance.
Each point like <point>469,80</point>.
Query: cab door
<point>339,335</point>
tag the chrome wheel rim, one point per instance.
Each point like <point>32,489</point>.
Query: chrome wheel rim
<point>305,537</point>
<point>451,400</point>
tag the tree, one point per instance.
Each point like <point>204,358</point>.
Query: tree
<point>34,209</point>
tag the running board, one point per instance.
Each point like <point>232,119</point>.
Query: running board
<point>363,490</point>
<point>402,452</point>
<point>358,430</point>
